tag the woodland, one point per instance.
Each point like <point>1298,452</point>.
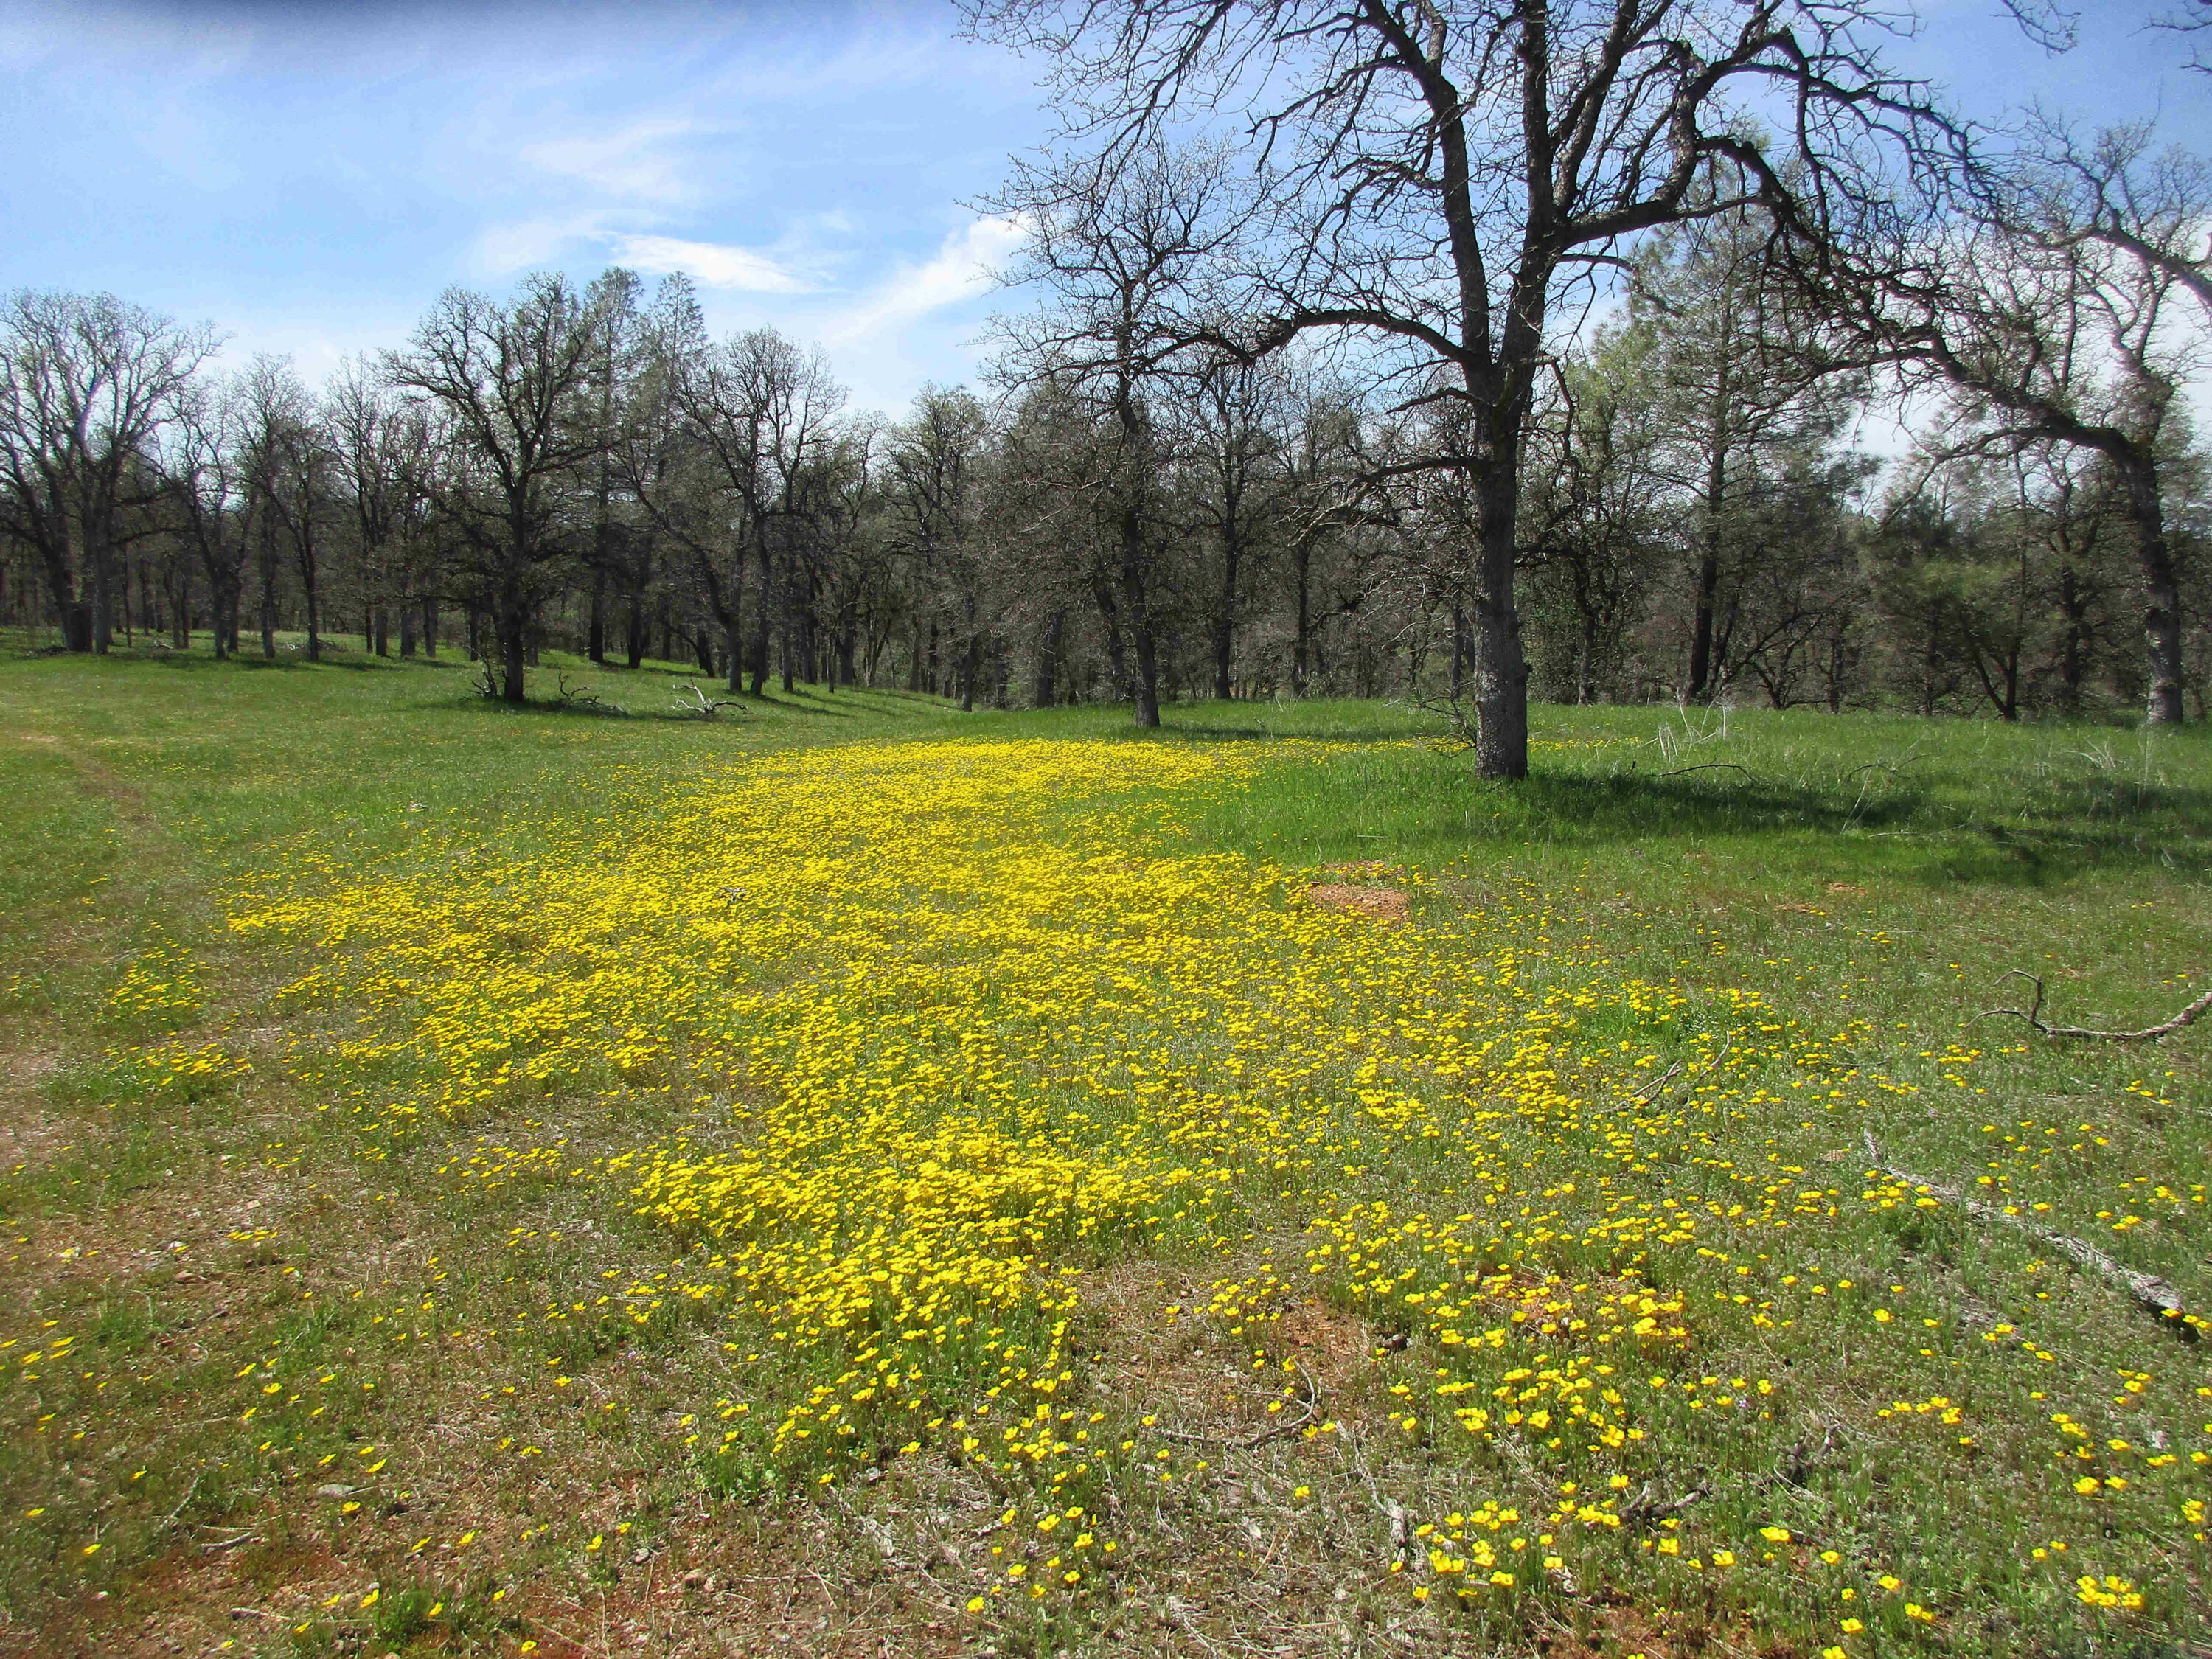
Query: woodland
<point>1707,361</point>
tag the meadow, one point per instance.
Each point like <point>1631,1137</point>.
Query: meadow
<point>847,1177</point>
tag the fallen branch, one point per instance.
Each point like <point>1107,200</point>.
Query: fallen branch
<point>1709,766</point>
<point>1658,1090</point>
<point>170,1519</point>
<point>2153,1292</point>
<point>704,707</point>
<point>1727,1038</point>
<point>1646,1506</point>
<point>1652,1089</point>
<point>2033,1015</point>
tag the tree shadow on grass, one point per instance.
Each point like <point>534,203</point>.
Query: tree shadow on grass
<point>800,702</point>
<point>740,707</point>
<point>1263,734</point>
<point>352,662</point>
<point>2039,842</point>
<point>1906,824</point>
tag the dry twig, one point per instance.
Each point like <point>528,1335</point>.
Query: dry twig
<point>2147,1289</point>
<point>1309,1411</point>
<point>1647,1506</point>
<point>2033,1015</point>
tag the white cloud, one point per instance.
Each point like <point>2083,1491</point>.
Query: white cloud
<point>964,267</point>
<point>520,245</point>
<point>713,265</point>
<point>643,162</point>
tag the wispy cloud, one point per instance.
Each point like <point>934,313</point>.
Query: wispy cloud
<point>712,264</point>
<point>520,245</point>
<point>650,161</point>
<point>963,267</point>
<point>290,161</point>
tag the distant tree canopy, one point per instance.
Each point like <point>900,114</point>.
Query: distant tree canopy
<point>1500,353</point>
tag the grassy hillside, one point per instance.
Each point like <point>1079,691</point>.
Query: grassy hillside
<point>849,1178</point>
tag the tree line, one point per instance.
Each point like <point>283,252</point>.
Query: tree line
<point>1497,351</point>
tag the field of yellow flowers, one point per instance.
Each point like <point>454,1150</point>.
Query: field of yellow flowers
<point>1007,1187</point>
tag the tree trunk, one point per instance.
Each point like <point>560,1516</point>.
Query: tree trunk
<point>1709,549</point>
<point>268,596</point>
<point>784,640</point>
<point>1501,672</point>
<point>513,626</point>
<point>1931,657</point>
<point>970,660</point>
<point>429,628</point>
<point>2161,593</point>
<point>1224,621</point>
<point>70,609</point>
<point>1302,639</point>
<point>407,631</point>
<point>1147,685</point>
<point>597,647</point>
<point>1047,668</point>
<point>308,573</point>
<point>103,597</point>
<point>763,621</point>
<point>2073,607</point>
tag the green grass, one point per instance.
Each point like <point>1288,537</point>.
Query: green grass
<point>1888,871</point>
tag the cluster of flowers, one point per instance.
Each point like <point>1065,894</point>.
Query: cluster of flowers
<point>971,1024</point>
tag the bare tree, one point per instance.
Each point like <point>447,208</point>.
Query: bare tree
<point>936,459</point>
<point>613,296</point>
<point>1233,454</point>
<point>1597,506</point>
<point>2048,335</point>
<point>510,383</point>
<point>1122,243</point>
<point>204,470</point>
<point>85,381</point>
<point>1438,180</point>
<point>289,476</point>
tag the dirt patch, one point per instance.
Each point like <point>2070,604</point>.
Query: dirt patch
<point>1378,903</point>
<point>1335,1347</point>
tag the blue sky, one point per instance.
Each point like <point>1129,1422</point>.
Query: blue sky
<point>308,176</point>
